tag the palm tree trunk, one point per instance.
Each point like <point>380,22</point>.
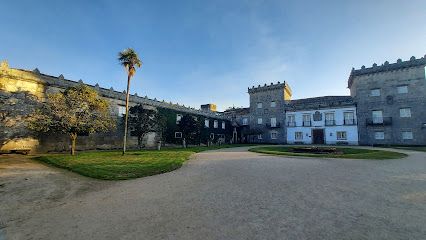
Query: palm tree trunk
<point>127,114</point>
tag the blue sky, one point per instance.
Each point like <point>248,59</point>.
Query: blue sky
<point>197,52</point>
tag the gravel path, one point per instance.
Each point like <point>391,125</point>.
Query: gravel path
<point>235,194</point>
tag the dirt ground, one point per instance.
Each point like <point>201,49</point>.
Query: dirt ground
<point>222,194</point>
<point>27,186</point>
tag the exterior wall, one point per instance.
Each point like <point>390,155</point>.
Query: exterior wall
<point>330,135</point>
<point>390,102</point>
<point>265,95</point>
<point>17,86</point>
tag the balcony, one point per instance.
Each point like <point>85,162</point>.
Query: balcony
<point>383,121</point>
<point>307,123</point>
<point>277,125</point>
<point>330,122</point>
<point>349,122</point>
<point>291,124</point>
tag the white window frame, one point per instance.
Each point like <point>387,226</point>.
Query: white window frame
<point>274,122</point>
<point>297,137</point>
<point>211,136</point>
<point>403,89</point>
<point>259,121</point>
<point>259,136</point>
<point>407,135</point>
<point>223,124</point>
<point>273,104</point>
<point>346,117</point>
<point>206,123</point>
<point>341,135</point>
<point>178,118</point>
<point>272,135</point>
<point>405,112</point>
<point>245,121</point>
<point>375,92</point>
<point>178,134</point>
<point>379,137</point>
<point>377,118</point>
<point>215,124</point>
<point>259,105</point>
<point>291,118</point>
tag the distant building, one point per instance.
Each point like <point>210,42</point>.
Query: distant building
<point>322,120</point>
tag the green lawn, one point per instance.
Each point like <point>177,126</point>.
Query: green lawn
<point>353,153</point>
<point>111,165</point>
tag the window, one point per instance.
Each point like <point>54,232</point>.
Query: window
<point>307,120</point>
<point>349,118</point>
<point>341,135</point>
<point>407,135</point>
<point>379,135</point>
<point>206,123</point>
<point>291,121</point>
<point>259,136</point>
<point>178,135</point>
<point>377,116</point>
<point>259,105</point>
<point>273,122</point>
<point>298,135</point>
<point>223,124</point>
<point>329,119</point>
<point>402,89</point>
<point>273,135</point>
<point>259,121</point>
<point>405,112</point>
<point>375,92</point>
<point>215,124</point>
<point>121,110</point>
<point>273,104</point>
<point>245,121</point>
<point>178,118</point>
<point>211,136</point>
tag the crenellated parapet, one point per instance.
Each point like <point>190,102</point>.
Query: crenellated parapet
<point>37,83</point>
<point>269,87</point>
<point>386,67</point>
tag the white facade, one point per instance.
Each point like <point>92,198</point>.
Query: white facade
<point>324,126</point>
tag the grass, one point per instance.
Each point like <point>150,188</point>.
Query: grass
<point>352,153</point>
<point>111,165</point>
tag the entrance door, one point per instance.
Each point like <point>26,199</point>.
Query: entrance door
<point>318,136</point>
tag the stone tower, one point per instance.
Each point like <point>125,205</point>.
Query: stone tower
<point>267,112</point>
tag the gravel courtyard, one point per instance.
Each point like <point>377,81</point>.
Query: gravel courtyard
<point>222,194</point>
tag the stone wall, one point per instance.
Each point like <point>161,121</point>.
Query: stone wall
<point>266,94</point>
<point>387,78</point>
<point>18,87</point>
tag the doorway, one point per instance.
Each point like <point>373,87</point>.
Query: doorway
<point>318,136</point>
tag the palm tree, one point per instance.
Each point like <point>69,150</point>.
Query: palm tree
<point>130,60</point>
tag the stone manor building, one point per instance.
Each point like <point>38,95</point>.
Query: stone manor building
<point>386,106</point>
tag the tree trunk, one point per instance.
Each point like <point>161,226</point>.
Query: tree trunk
<point>127,115</point>
<point>73,137</point>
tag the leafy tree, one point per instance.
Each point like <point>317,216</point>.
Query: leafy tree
<point>77,110</point>
<point>130,60</point>
<point>190,128</point>
<point>143,121</point>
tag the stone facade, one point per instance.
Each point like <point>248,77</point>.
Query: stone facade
<point>267,112</point>
<point>23,89</point>
<point>391,102</point>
